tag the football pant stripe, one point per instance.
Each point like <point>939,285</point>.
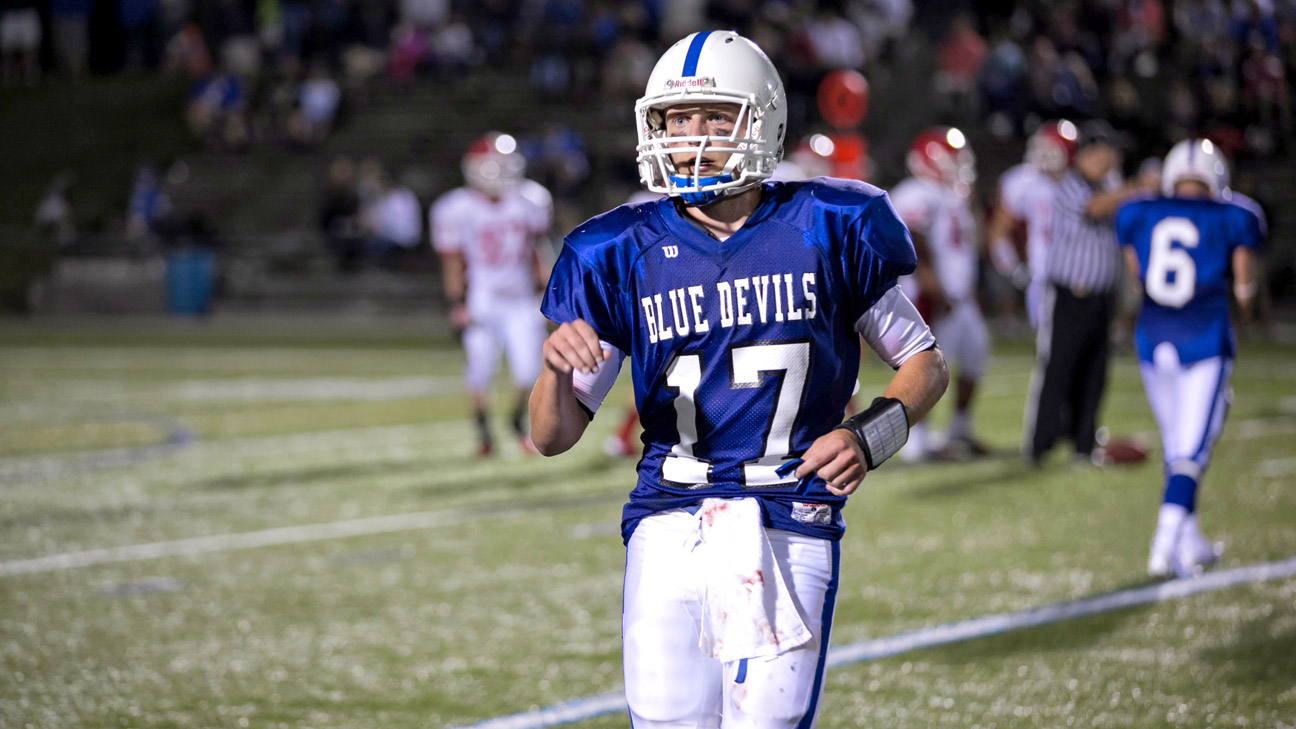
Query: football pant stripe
<point>830,601</point>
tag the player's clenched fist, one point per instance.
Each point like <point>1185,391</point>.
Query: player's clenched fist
<point>573,346</point>
<point>837,458</point>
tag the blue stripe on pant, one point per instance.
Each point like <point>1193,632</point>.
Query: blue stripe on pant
<point>830,603</point>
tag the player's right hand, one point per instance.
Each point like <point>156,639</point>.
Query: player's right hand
<point>573,346</point>
<point>460,318</point>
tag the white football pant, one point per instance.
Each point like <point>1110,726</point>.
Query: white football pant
<point>1189,403</point>
<point>964,339</point>
<point>1035,302</point>
<point>513,325</point>
<point>670,682</point>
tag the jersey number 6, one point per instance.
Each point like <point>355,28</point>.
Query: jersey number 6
<point>1171,271</point>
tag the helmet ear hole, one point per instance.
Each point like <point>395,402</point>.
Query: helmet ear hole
<point>656,120</point>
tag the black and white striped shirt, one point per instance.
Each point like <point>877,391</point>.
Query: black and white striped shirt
<point>1082,253</point>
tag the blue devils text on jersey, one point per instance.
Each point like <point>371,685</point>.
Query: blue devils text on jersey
<point>743,352</point>
<point>1184,249</point>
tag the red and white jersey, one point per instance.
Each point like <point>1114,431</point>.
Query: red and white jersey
<point>496,237</point>
<point>1027,193</point>
<point>944,218</point>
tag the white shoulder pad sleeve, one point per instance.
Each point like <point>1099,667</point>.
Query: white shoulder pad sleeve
<point>894,329</point>
<point>592,388</point>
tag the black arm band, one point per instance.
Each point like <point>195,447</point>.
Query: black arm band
<point>881,430</point>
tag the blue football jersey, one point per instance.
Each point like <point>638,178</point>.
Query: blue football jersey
<point>1184,249</point>
<point>742,352</point>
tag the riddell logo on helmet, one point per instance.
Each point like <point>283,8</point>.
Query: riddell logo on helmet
<point>692,82</point>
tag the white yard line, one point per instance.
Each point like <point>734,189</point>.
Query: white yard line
<point>317,389</point>
<point>19,469</point>
<point>247,540</point>
<point>1260,428</point>
<point>1278,467</point>
<point>988,625</point>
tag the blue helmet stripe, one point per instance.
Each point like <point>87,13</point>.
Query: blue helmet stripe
<point>694,53</point>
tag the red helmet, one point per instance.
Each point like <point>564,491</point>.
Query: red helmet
<point>843,98</point>
<point>492,163</point>
<point>942,154</point>
<point>1050,148</point>
<point>813,154</point>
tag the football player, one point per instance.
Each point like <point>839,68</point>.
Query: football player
<point>933,203</point>
<point>1026,195</point>
<point>739,304</point>
<point>488,236</point>
<point>1188,249</point>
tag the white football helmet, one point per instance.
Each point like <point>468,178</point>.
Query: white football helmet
<point>492,163</point>
<point>712,67</point>
<point>1195,159</point>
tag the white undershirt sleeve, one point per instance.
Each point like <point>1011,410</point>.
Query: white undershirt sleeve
<point>592,388</point>
<point>894,329</point>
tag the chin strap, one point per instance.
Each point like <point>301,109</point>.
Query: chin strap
<point>882,429</point>
<point>702,197</point>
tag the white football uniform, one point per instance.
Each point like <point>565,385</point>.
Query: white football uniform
<point>1027,193</point>
<point>497,239</point>
<point>945,220</point>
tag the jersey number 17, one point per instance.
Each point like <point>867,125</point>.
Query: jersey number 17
<point>749,364</point>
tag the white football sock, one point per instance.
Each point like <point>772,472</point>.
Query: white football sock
<point>1170,522</point>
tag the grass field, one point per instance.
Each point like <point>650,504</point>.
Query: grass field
<point>421,587</point>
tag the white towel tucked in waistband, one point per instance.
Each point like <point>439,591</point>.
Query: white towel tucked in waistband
<point>747,610</point>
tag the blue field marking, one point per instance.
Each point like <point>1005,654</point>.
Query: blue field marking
<point>30,469</point>
<point>985,626</point>
<point>147,587</point>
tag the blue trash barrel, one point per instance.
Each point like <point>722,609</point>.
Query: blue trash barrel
<point>190,277</point>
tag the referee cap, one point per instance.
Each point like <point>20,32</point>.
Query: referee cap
<point>1098,131</point>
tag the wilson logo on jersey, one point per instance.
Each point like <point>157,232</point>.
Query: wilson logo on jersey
<point>671,251</point>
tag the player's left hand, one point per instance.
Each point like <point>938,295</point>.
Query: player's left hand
<point>837,458</point>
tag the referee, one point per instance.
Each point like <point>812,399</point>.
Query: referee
<point>1084,272</point>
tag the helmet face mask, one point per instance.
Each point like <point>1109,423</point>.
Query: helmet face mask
<point>492,164</point>
<point>707,70</point>
<point>1197,160</point>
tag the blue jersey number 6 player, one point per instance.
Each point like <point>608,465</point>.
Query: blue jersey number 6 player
<point>739,304</point>
<point>1188,249</point>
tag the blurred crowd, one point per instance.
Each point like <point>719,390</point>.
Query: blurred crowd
<point>372,215</point>
<point>1161,71</point>
<point>278,69</point>
<point>285,73</point>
